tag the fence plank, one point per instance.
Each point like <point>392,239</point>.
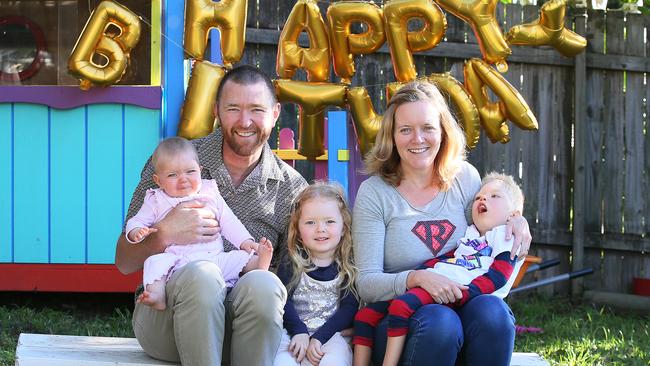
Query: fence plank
<point>577,21</point>
<point>593,258</point>
<point>252,13</point>
<point>633,266</point>
<point>613,144</point>
<point>595,116</point>
<point>613,129</point>
<point>547,252</point>
<point>646,184</point>
<point>634,148</point>
<point>456,29</point>
<point>634,202</point>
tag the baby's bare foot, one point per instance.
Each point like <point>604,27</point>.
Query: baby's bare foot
<point>156,301</point>
<point>265,254</point>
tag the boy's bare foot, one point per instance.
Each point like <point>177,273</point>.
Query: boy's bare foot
<point>265,253</point>
<point>156,301</point>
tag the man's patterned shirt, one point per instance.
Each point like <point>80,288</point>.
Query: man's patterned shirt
<point>262,201</point>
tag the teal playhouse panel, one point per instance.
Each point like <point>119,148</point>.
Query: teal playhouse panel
<point>71,174</point>
<point>6,184</point>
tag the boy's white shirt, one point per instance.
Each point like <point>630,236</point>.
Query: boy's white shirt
<point>496,240</point>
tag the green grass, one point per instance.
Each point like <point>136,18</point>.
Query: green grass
<point>574,334</point>
<point>99,315</point>
<point>581,334</point>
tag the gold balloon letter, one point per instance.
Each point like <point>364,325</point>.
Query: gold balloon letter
<point>402,43</point>
<point>197,116</point>
<point>468,112</point>
<point>305,15</point>
<point>549,29</point>
<point>115,49</point>
<point>366,121</point>
<point>511,105</point>
<point>346,44</point>
<point>312,99</point>
<point>480,14</point>
<point>227,15</point>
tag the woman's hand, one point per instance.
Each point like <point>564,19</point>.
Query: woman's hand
<point>442,289</point>
<point>298,346</point>
<point>314,351</point>
<point>518,226</point>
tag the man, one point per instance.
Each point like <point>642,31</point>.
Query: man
<point>259,188</point>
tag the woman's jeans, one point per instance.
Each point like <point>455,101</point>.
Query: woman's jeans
<point>481,332</point>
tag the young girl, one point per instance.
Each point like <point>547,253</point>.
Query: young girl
<point>320,280</point>
<point>178,174</point>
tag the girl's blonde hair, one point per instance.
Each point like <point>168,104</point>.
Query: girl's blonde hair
<point>384,161</point>
<point>300,256</point>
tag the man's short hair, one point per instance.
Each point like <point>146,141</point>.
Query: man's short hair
<point>247,75</point>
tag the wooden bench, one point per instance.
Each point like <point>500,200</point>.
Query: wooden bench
<point>58,350</point>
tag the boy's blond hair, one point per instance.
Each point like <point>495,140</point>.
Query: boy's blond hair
<point>513,190</point>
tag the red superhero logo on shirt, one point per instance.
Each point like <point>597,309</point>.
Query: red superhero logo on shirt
<point>434,234</point>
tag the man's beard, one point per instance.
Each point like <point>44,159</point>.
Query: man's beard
<point>244,149</point>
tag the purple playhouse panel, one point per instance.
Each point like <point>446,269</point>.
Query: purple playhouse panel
<point>66,97</point>
<point>355,166</point>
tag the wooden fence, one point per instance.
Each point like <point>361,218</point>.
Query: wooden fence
<point>585,172</point>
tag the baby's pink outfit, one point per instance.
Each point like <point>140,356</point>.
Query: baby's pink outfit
<point>157,205</point>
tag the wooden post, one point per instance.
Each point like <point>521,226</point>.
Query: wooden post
<point>579,118</point>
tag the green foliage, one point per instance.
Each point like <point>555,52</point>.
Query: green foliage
<point>579,334</point>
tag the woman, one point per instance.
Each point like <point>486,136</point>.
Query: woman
<point>413,208</point>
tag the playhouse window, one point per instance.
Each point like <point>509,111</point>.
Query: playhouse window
<point>50,29</point>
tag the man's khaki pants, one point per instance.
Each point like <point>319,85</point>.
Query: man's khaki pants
<point>200,312</point>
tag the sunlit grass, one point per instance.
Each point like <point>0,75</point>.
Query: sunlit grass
<point>582,334</point>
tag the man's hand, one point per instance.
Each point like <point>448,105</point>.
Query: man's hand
<point>518,226</point>
<point>298,346</point>
<point>139,233</point>
<point>442,289</point>
<point>187,223</point>
<point>314,351</point>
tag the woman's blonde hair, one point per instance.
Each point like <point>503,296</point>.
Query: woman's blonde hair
<point>300,256</point>
<point>384,161</point>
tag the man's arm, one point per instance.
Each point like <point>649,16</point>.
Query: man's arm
<point>130,257</point>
